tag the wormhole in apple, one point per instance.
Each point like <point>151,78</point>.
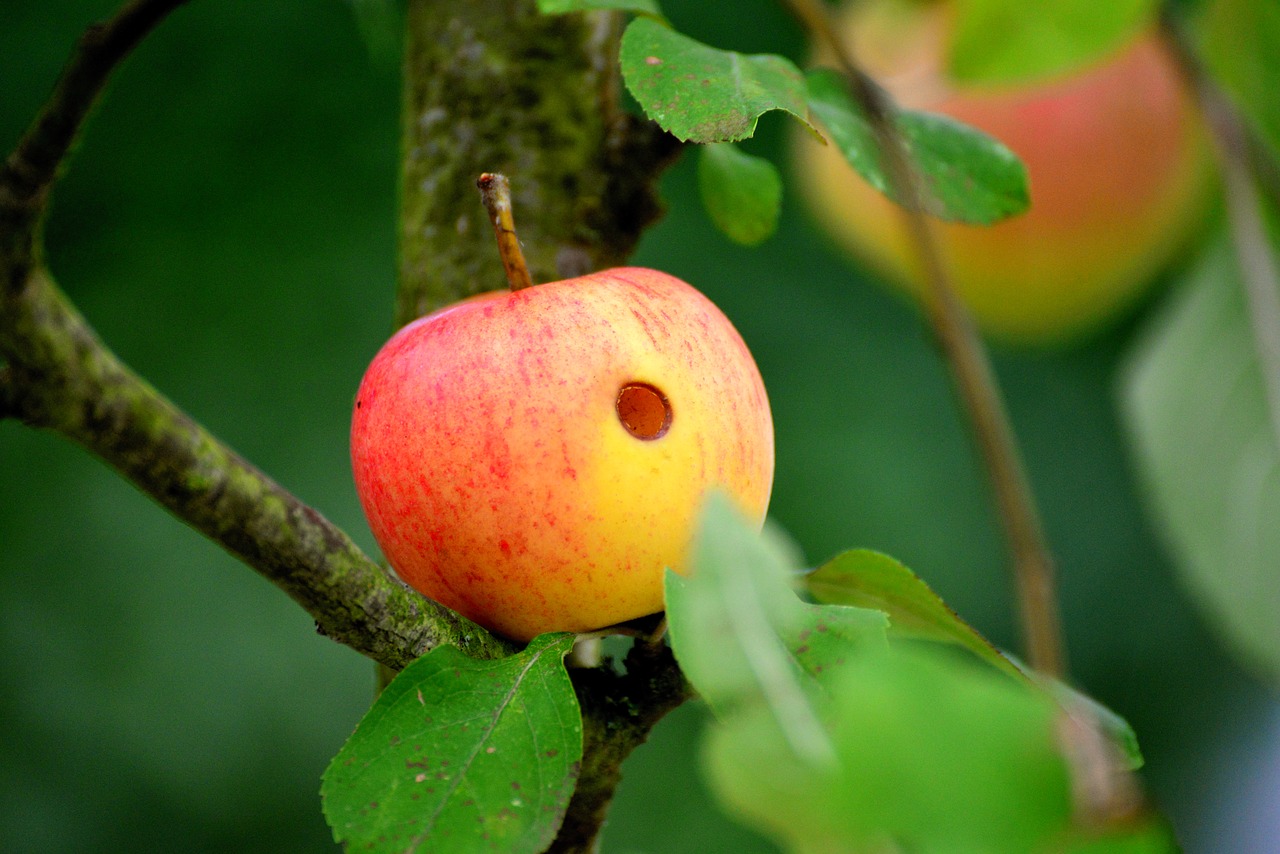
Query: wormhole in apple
<point>644,411</point>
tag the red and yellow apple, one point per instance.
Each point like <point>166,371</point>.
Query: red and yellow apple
<point>1118,165</point>
<point>536,459</point>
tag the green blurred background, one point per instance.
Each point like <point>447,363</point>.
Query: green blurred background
<point>228,226</point>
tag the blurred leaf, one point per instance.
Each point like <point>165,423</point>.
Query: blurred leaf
<point>742,193</point>
<point>700,93</point>
<point>967,176</point>
<point>1114,726</point>
<point>461,755</point>
<point>560,7</point>
<point>743,637</point>
<point>1241,40</point>
<point>934,755</point>
<point>1147,834</point>
<point>1008,41</point>
<point>380,23</point>
<point>868,579</point>
<point>1206,444</point>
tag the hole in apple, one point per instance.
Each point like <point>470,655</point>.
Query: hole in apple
<point>644,411</point>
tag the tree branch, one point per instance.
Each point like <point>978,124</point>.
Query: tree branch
<point>970,368</point>
<point>30,171</point>
<point>63,378</point>
<point>1102,786</point>
<point>494,86</point>
<point>1242,175</point>
<point>618,712</point>
<point>60,376</point>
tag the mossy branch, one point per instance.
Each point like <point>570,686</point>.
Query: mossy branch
<point>618,712</point>
<point>493,86</point>
<point>490,84</point>
<point>60,376</point>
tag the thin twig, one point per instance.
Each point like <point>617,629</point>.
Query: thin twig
<point>33,166</point>
<point>1236,155</point>
<point>970,368</point>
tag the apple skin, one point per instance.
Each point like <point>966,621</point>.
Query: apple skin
<point>495,471</point>
<point>1119,167</point>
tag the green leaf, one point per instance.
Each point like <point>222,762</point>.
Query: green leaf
<point>561,7</point>
<point>1012,41</point>
<point>1111,724</point>
<point>1146,834</point>
<point>868,579</point>
<point>700,93</point>
<point>742,193</point>
<point>461,755</point>
<point>380,23</point>
<point>1208,452</point>
<point>967,176</point>
<point>1242,48</point>
<point>934,754</point>
<point>743,638</point>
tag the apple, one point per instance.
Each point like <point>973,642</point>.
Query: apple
<point>535,459</point>
<point>1118,162</point>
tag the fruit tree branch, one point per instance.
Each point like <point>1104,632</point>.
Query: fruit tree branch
<point>493,86</point>
<point>970,368</point>
<point>30,171</point>
<point>618,711</point>
<point>60,376</point>
<point>1242,178</point>
<point>66,380</point>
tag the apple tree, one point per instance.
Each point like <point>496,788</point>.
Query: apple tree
<point>850,708</point>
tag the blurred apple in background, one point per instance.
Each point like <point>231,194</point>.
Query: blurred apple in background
<point>1117,158</point>
<point>536,459</point>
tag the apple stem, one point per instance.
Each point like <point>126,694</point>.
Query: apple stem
<point>495,192</point>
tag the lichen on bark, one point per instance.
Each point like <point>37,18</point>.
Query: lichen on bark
<point>494,86</point>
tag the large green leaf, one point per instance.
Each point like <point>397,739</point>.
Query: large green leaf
<point>1012,41</point>
<point>1208,451</point>
<point>966,175</point>
<point>461,755</point>
<point>934,754</point>
<point>700,93</point>
<point>1242,47</point>
<point>742,193</point>
<point>744,639</point>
